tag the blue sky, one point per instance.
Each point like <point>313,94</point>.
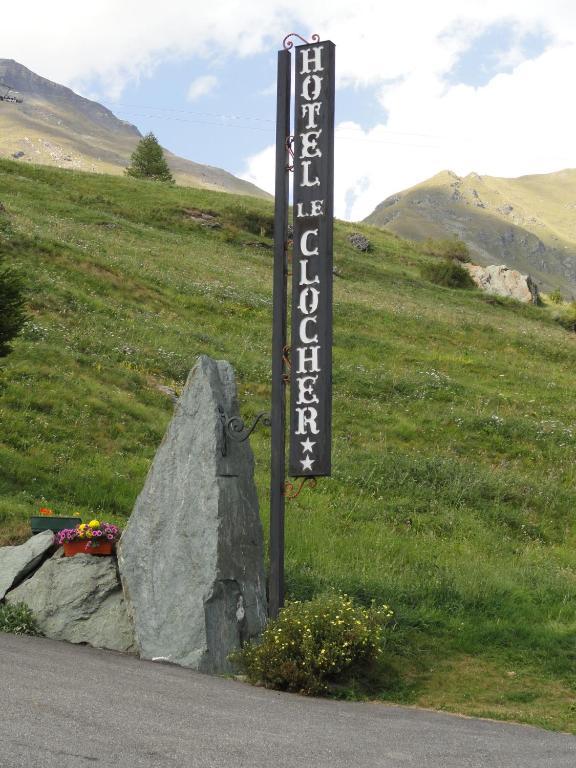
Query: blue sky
<point>466,85</point>
<point>235,120</point>
<point>496,50</point>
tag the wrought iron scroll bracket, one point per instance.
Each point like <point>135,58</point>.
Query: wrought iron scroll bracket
<point>287,43</point>
<point>289,488</point>
<point>234,428</point>
<point>290,150</point>
<point>287,364</point>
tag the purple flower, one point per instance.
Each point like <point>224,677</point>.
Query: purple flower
<point>67,534</point>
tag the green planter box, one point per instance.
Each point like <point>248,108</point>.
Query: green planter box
<point>54,523</point>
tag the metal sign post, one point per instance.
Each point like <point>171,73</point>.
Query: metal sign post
<point>311,366</point>
<point>278,412</point>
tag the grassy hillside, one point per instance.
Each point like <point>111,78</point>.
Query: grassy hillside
<point>55,126</point>
<point>453,494</point>
<point>528,223</point>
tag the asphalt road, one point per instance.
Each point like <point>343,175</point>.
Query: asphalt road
<point>72,706</point>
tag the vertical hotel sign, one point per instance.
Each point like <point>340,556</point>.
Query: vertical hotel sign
<point>311,353</point>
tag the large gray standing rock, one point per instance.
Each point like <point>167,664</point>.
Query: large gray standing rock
<point>17,562</point>
<point>191,558</point>
<point>78,599</point>
<point>502,281</point>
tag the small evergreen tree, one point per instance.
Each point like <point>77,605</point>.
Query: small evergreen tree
<point>148,161</point>
<point>12,315</point>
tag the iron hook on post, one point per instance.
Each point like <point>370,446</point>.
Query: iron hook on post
<point>287,365</point>
<point>289,145</point>
<point>290,493</point>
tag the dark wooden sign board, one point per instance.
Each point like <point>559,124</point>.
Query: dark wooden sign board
<point>311,345</point>
<point>313,215</point>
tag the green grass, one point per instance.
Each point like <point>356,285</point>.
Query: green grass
<point>17,619</point>
<point>453,491</point>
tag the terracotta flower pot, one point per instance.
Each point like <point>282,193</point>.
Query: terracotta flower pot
<point>88,547</point>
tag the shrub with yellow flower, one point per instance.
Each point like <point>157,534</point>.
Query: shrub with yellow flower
<point>315,644</point>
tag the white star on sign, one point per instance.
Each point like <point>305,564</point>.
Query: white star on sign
<point>307,446</point>
<point>307,463</point>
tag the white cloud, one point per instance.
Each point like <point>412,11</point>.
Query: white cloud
<point>119,42</point>
<point>517,123</point>
<point>260,169</point>
<point>201,86</point>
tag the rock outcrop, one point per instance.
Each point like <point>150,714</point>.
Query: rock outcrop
<point>17,562</point>
<point>191,557</point>
<point>502,281</point>
<point>359,241</point>
<point>78,599</point>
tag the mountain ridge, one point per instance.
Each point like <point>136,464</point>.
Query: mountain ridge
<point>526,222</point>
<point>56,126</point>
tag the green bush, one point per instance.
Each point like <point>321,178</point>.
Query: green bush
<point>448,273</point>
<point>556,297</point>
<point>315,644</point>
<point>447,249</point>
<point>567,317</point>
<point>12,314</point>
<point>17,619</point>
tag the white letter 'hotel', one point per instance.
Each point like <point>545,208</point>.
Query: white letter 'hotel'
<point>311,371</point>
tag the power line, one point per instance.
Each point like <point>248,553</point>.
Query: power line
<point>229,116</point>
<point>194,112</point>
<point>205,122</point>
<point>338,137</point>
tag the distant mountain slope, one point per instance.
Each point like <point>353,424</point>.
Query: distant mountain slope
<point>55,126</point>
<point>528,223</point>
